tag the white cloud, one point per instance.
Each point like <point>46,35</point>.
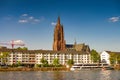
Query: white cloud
<point>53,23</point>
<point>17,42</point>
<point>31,17</point>
<point>25,18</point>
<point>25,15</point>
<point>23,21</point>
<point>36,20</point>
<point>114,19</point>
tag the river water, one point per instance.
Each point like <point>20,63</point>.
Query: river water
<point>61,75</point>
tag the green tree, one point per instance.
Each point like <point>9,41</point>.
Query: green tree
<point>95,56</point>
<point>44,62</point>
<point>56,62</point>
<point>118,58</point>
<point>19,63</point>
<point>114,58</point>
<point>24,48</point>
<point>70,62</point>
<point>4,56</point>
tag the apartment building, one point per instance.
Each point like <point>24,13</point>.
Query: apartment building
<point>35,56</point>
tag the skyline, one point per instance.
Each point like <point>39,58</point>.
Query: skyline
<point>95,23</point>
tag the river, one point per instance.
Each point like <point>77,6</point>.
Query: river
<point>61,75</point>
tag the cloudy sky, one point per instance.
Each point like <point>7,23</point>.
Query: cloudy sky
<point>93,22</point>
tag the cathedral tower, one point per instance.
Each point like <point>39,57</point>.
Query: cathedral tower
<point>59,42</point>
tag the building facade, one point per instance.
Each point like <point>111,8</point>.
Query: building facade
<point>35,56</point>
<point>78,47</point>
<point>105,57</point>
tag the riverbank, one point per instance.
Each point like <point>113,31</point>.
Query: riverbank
<point>36,69</point>
<point>117,67</point>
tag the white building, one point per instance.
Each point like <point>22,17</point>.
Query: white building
<point>105,57</point>
<point>64,57</point>
<point>34,56</point>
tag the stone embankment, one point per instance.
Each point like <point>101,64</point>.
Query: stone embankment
<point>36,69</point>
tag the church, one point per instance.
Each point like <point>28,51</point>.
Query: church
<point>59,43</point>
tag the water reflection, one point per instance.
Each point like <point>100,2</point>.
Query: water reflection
<point>105,75</point>
<point>57,76</point>
<point>80,75</point>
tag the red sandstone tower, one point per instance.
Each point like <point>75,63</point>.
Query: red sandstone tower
<point>59,42</point>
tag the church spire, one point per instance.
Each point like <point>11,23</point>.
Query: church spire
<point>59,42</point>
<point>58,20</point>
<point>75,43</point>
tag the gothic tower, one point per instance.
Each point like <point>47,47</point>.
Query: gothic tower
<point>59,42</point>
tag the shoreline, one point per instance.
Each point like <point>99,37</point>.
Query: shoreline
<point>36,69</point>
<point>116,67</point>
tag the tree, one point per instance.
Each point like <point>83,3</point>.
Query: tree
<point>95,56</point>
<point>19,63</point>
<point>70,62</point>
<point>44,62</point>
<point>24,48</point>
<point>114,58</point>
<point>56,62</point>
<point>4,56</point>
<point>118,58</point>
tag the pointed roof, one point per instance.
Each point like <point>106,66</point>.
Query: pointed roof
<point>58,20</point>
<point>75,42</point>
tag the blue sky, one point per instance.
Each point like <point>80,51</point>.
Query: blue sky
<point>93,22</point>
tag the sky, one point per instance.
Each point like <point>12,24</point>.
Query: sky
<point>93,22</point>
